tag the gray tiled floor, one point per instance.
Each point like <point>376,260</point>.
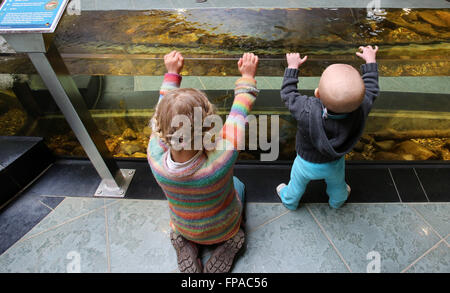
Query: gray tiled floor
<point>292,243</point>
<point>139,237</point>
<point>437,260</point>
<point>133,236</point>
<point>437,215</point>
<point>396,232</point>
<point>48,252</point>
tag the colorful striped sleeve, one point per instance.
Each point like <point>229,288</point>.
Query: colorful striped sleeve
<point>171,81</point>
<point>245,95</point>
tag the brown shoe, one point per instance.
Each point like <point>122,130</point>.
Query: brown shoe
<point>187,253</point>
<point>222,258</point>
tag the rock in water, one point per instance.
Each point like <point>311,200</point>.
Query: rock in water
<point>130,148</point>
<point>367,139</point>
<point>411,148</point>
<point>436,18</point>
<point>387,156</point>
<point>445,154</point>
<point>408,157</point>
<point>447,144</point>
<point>79,152</point>
<point>3,107</point>
<point>358,157</point>
<point>70,145</point>
<point>111,144</point>
<point>359,146</point>
<point>129,134</point>
<point>60,152</point>
<point>385,145</point>
<point>147,131</point>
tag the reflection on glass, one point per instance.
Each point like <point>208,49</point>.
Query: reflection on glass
<point>119,70</point>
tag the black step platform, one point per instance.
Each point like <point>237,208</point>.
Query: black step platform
<point>371,182</point>
<point>22,159</point>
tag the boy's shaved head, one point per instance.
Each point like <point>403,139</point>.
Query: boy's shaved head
<point>341,88</point>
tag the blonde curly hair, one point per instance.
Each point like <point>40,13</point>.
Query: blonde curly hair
<point>180,102</point>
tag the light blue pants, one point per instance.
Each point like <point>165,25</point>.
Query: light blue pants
<point>303,171</point>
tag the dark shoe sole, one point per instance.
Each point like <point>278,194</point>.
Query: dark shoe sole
<point>187,253</point>
<point>222,258</point>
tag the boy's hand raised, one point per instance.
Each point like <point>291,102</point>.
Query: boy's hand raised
<point>368,53</point>
<point>294,60</point>
<point>174,62</point>
<point>248,64</point>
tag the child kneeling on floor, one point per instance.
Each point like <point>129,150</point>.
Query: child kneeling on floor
<point>329,124</point>
<point>206,201</point>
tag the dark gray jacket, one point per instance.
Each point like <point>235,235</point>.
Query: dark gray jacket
<point>322,140</point>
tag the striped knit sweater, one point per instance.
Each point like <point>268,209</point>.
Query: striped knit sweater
<point>204,206</point>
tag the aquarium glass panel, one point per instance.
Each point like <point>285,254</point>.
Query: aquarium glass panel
<point>115,58</point>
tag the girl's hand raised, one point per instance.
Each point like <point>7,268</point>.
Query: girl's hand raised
<point>248,64</point>
<point>174,62</point>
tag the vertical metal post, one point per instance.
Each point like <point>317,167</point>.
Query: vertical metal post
<point>56,77</point>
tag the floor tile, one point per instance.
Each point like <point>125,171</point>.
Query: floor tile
<point>143,185</point>
<point>395,231</point>
<point>315,192</point>
<point>139,237</point>
<point>408,185</point>
<point>429,176</point>
<point>262,190</point>
<point>437,215</point>
<point>68,178</point>
<point>9,187</point>
<point>49,251</point>
<point>19,217</point>
<point>68,209</point>
<point>370,185</point>
<point>258,214</point>
<point>13,147</point>
<point>16,153</point>
<point>51,202</point>
<point>436,261</point>
<point>293,243</point>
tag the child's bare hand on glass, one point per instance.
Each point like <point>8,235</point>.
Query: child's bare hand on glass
<point>294,60</point>
<point>368,53</point>
<point>248,64</point>
<point>174,62</point>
